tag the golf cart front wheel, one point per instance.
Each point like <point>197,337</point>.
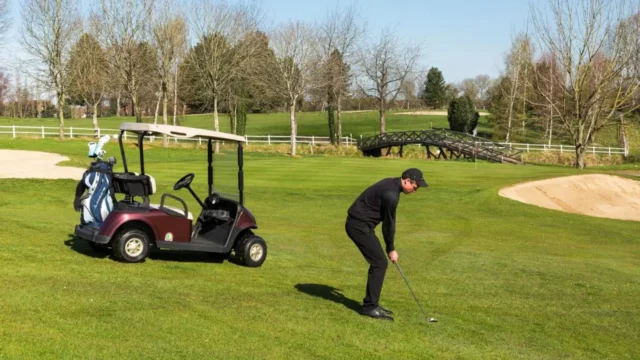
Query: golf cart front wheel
<point>131,246</point>
<point>251,251</point>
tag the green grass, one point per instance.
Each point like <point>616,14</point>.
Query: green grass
<point>505,280</point>
<point>309,123</point>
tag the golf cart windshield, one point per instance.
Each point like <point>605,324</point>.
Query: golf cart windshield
<point>226,180</point>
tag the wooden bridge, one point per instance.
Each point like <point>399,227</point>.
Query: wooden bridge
<point>457,144</point>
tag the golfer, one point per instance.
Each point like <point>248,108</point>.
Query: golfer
<point>378,204</point>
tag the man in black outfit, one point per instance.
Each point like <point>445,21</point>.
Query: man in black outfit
<point>378,204</point>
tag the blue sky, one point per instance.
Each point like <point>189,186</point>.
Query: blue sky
<point>463,38</point>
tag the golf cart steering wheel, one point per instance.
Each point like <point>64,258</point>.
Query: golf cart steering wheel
<point>184,181</point>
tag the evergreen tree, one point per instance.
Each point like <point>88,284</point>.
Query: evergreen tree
<point>434,89</point>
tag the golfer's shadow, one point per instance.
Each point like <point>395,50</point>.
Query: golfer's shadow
<point>329,293</point>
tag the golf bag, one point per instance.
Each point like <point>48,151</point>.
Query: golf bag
<point>98,202</point>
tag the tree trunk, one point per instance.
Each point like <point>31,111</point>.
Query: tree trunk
<point>155,115</point>
<point>383,123</point>
<point>175,95</point>
<point>95,117</point>
<point>118,106</point>
<point>339,115</point>
<point>136,110</point>
<point>332,124</point>
<point>580,157</point>
<point>165,105</point>
<point>61,115</point>
<point>216,123</point>
<point>294,129</point>
<point>622,135</point>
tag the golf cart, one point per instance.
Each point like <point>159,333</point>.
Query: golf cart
<point>134,225</point>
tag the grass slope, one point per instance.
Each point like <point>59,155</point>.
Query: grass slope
<point>309,123</point>
<point>505,280</point>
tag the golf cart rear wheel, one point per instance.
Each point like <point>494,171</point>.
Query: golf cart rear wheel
<point>251,250</point>
<point>131,246</point>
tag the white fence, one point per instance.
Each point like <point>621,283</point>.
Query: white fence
<point>568,148</point>
<point>44,131</point>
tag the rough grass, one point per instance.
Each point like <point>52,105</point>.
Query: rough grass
<point>505,280</point>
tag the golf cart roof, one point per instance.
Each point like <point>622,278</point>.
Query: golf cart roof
<point>179,131</point>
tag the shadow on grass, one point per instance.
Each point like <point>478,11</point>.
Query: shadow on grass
<point>99,252</point>
<point>187,256</point>
<point>85,248</point>
<point>329,293</point>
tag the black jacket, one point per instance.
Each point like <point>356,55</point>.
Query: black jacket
<point>378,204</point>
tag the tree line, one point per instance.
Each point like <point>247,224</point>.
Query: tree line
<point>577,70</point>
<point>157,57</point>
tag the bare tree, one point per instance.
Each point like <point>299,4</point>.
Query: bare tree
<point>340,31</point>
<point>5,19</point>
<point>515,79</point>
<point>125,28</point>
<point>219,27</point>
<point>482,84</point>
<point>546,75</point>
<point>49,31</point>
<point>89,74</point>
<point>595,45</point>
<point>384,65</point>
<point>296,69</point>
<point>169,36</point>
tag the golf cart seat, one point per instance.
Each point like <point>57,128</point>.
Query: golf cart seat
<point>134,185</point>
<point>172,210</point>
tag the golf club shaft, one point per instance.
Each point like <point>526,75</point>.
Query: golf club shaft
<point>414,295</point>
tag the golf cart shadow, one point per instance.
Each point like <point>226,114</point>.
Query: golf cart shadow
<point>329,293</point>
<point>95,251</point>
<point>85,248</point>
<point>189,256</point>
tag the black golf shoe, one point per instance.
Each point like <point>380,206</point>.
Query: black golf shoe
<point>386,311</point>
<point>377,313</point>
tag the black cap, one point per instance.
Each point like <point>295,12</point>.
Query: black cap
<point>415,175</point>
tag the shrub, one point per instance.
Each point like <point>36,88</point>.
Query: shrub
<point>462,115</point>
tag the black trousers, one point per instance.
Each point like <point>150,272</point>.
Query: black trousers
<point>364,237</point>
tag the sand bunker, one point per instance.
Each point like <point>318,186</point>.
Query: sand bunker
<point>432,112</point>
<point>604,196</point>
<point>19,164</point>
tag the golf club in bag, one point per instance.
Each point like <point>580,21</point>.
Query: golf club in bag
<point>414,295</point>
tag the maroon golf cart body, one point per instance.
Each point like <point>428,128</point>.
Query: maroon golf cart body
<point>133,227</point>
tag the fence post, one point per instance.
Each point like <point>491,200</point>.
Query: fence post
<point>43,131</point>
<point>269,139</point>
<point>313,142</point>
<point>560,148</point>
<point>527,147</point>
<point>199,141</point>
<point>593,150</point>
<point>14,131</point>
<point>609,150</point>
<point>125,135</point>
<point>71,132</point>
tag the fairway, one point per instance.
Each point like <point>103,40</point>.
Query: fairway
<point>505,280</point>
